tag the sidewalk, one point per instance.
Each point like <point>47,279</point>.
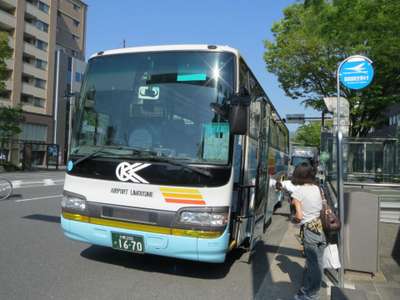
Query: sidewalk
<point>287,266</point>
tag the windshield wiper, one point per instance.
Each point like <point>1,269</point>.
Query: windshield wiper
<point>177,163</point>
<point>102,150</point>
<point>143,157</point>
<point>89,156</point>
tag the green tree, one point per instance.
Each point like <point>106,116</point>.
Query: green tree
<point>5,53</point>
<point>308,134</point>
<point>315,36</point>
<point>10,120</point>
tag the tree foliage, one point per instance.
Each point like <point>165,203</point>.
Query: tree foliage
<point>10,120</point>
<point>308,134</point>
<point>315,36</point>
<point>5,53</point>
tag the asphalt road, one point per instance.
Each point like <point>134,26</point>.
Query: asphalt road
<point>38,262</point>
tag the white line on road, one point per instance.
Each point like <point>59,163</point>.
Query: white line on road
<point>38,198</point>
<point>48,182</point>
<point>37,186</point>
<point>16,183</point>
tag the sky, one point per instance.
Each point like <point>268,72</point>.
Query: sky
<point>241,24</point>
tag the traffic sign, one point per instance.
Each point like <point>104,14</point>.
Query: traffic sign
<point>356,72</point>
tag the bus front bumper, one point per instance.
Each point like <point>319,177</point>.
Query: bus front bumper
<point>211,250</point>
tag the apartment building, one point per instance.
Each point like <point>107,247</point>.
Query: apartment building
<point>40,33</point>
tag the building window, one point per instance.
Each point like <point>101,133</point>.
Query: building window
<point>43,7</point>
<point>78,77</point>
<point>41,64</point>
<point>76,7</point>
<point>76,22</point>
<point>34,132</point>
<point>38,102</point>
<point>40,83</point>
<point>75,37</point>
<point>5,95</point>
<point>69,63</point>
<point>42,26</point>
<point>27,59</point>
<point>41,45</point>
<point>33,101</point>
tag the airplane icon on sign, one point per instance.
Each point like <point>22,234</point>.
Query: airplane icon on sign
<point>360,68</point>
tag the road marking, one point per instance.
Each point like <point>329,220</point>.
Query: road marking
<point>38,198</point>
<point>37,186</point>
<point>16,183</point>
<point>48,182</point>
<point>20,184</point>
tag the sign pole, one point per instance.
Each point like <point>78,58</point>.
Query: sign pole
<point>339,179</point>
<point>355,72</point>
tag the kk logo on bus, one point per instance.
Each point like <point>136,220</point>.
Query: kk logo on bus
<point>126,171</point>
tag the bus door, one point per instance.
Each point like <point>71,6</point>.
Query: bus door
<point>259,145</point>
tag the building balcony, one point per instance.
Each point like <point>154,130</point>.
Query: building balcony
<point>32,50</point>
<point>4,102</point>
<point>9,64</point>
<point>33,91</point>
<point>9,85</point>
<point>7,21</point>
<point>35,11</point>
<point>34,109</point>
<point>32,30</point>
<point>35,72</point>
<point>11,3</point>
<point>10,42</point>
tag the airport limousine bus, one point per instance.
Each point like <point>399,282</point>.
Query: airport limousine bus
<point>174,152</point>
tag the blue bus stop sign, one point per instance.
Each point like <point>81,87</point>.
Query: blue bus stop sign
<point>356,72</point>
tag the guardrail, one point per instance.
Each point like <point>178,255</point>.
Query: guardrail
<point>389,201</point>
<point>369,184</point>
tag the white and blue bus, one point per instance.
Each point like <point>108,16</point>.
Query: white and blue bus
<point>173,152</point>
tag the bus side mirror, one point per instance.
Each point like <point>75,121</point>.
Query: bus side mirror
<point>238,115</point>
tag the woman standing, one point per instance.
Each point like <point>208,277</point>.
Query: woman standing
<point>308,203</point>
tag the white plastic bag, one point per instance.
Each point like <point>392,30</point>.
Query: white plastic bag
<point>330,258</point>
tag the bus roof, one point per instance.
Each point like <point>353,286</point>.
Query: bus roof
<point>161,48</point>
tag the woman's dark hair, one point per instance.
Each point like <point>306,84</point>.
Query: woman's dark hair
<point>304,173</point>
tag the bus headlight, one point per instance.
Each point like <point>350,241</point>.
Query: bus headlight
<point>204,218</point>
<point>73,203</point>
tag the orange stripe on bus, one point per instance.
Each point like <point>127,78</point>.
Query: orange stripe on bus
<point>185,201</point>
<point>179,190</point>
<point>182,196</point>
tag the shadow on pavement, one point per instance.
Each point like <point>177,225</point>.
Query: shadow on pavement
<point>266,283</point>
<point>160,264</point>
<point>396,249</point>
<point>45,218</point>
<point>282,214</point>
<point>287,266</point>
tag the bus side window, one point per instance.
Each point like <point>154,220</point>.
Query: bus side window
<point>243,76</point>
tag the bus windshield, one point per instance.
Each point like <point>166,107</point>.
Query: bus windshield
<point>156,104</point>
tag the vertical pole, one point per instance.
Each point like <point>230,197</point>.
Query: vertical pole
<point>339,180</point>
<point>56,97</point>
<point>71,109</point>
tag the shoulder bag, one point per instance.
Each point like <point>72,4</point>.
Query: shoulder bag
<point>330,222</point>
